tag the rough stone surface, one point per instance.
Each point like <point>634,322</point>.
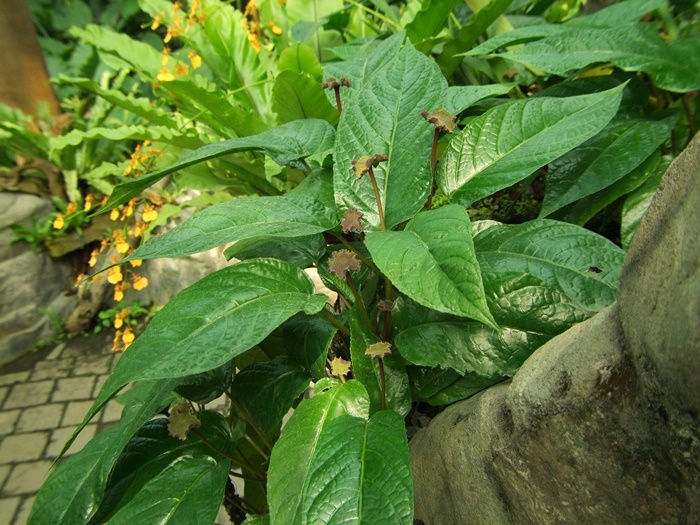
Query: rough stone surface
<point>30,283</point>
<point>600,425</point>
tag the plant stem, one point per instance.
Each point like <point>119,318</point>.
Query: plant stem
<point>388,296</point>
<point>243,476</point>
<point>340,326</point>
<point>256,447</point>
<point>374,13</point>
<point>212,446</point>
<point>433,153</point>
<point>689,115</point>
<point>379,198</point>
<point>358,300</point>
<point>306,165</point>
<point>241,411</point>
<point>383,378</point>
<point>338,103</point>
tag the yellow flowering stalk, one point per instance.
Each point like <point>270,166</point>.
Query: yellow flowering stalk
<point>139,282</point>
<point>114,275</point>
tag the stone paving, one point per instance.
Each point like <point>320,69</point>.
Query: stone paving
<point>41,403</point>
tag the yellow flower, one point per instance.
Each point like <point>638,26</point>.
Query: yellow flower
<point>195,59</point>
<point>165,75</point>
<point>114,275</point>
<point>275,28</point>
<point>115,341</point>
<point>114,214</point>
<point>123,246</point>
<point>253,39</point>
<point>139,282</point>
<point>72,208</point>
<point>89,200</point>
<point>128,338</point>
<point>59,222</point>
<point>120,316</point>
<point>149,213</point>
<point>181,69</point>
<point>93,258</point>
<point>129,209</point>
<point>138,229</point>
<point>118,296</point>
<point>79,279</point>
<point>136,263</point>
<point>156,22</point>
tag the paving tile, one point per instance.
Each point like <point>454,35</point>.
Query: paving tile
<point>93,364</point>
<point>8,507</point>
<point>75,412</point>
<point>98,384</point>
<point>61,435</point>
<point>74,388</point>
<point>29,394</point>
<point>27,478</point>
<point>16,377</point>
<point>8,419</point>
<point>23,447</point>
<point>3,393</point>
<point>112,412</point>
<point>4,471</point>
<point>43,417</point>
<point>52,369</point>
<point>25,508</point>
<point>56,352</point>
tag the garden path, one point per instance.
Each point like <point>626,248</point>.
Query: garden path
<point>43,398</point>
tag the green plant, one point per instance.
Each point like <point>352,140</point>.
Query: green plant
<point>431,307</point>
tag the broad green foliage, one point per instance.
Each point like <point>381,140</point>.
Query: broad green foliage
<point>428,304</point>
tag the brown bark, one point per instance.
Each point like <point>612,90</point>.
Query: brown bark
<point>24,81</point>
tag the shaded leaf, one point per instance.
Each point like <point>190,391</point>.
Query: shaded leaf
<point>430,20</point>
<point>636,204</point>
<point>300,251</point>
<point>300,58</point>
<point>308,339</point>
<point>298,96</point>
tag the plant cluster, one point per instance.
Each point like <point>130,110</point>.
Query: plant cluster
<point>428,306</point>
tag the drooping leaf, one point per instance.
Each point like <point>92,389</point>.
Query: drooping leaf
<point>300,58</point>
<point>366,370</point>
<point>385,118</point>
<point>636,204</point>
<point>297,96</point>
<point>602,160</point>
<point>237,308</point>
<point>73,492</point>
<point>578,263</point>
<point>509,142</point>
<point>437,386</point>
<point>307,210</point>
<point>299,251</point>
<point>308,339</point>
<point>284,144</point>
<point>152,451</point>
<point>267,390</point>
<point>672,65</point>
<point>205,387</point>
<point>329,449</point>
<point>432,261</point>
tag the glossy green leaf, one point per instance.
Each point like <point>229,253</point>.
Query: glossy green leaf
<point>602,160</point>
<point>672,65</point>
<point>581,211</point>
<point>307,210</point>
<point>430,20</point>
<point>73,492</point>
<point>334,465</point>
<point>308,339</point>
<point>442,386</point>
<point>284,144</point>
<point>468,347</point>
<point>366,370</point>
<point>614,15</point>
<point>300,58</point>
<point>520,35</point>
<point>257,519</point>
<point>298,96</point>
<point>458,98</point>
<point>637,203</point>
<point>578,263</point>
<point>299,251</point>
<point>385,117</point>
<point>432,261</point>
<point>150,454</point>
<point>267,391</point>
<point>236,308</point>
<point>509,142</point>
<point>187,138</point>
<point>207,386</point>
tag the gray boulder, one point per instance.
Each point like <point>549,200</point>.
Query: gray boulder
<point>600,425</point>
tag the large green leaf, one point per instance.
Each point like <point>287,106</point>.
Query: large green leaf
<point>469,347</point>
<point>509,142</point>
<point>636,204</point>
<point>627,12</point>
<point>300,251</point>
<point>432,261</point>
<point>385,117</point>
<point>366,370</point>
<point>73,492</point>
<point>308,339</point>
<point>602,160</point>
<point>268,390</point>
<point>213,321</point>
<point>458,98</point>
<point>334,465</point>
<point>207,386</point>
<point>578,263</point>
<point>284,144</point>
<point>307,210</point>
<point>672,65</point>
<point>187,138</point>
<point>437,386</point>
<point>430,20</point>
<point>146,464</point>
<point>300,58</point>
<point>298,96</point>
